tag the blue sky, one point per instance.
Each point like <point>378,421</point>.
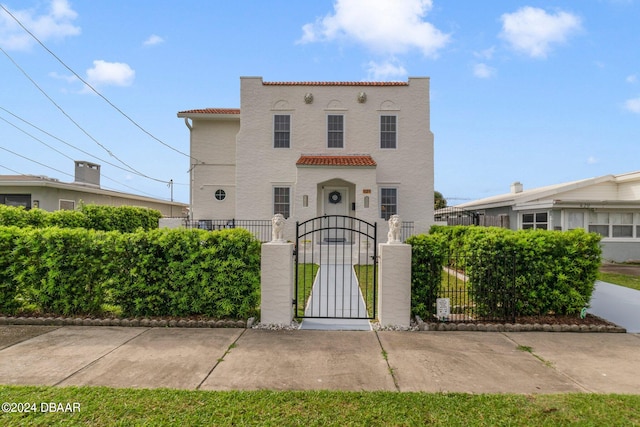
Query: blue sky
<point>534,91</point>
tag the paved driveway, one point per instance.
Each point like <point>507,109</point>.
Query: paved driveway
<point>617,304</point>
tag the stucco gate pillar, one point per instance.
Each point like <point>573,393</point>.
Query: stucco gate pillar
<point>276,277</point>
<point>394,278</point>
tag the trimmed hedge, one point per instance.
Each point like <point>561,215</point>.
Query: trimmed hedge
<point>427,258</point>
<point>553,271</point>
<point>155,273</point>
<point>125,219</point>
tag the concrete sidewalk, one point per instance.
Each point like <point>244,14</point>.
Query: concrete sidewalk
<point>251,359</point>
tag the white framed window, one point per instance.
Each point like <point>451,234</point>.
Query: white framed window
<point>535,220</point>
<point>220,194</point>
<point>335,131</point>
<point>66,205</point>
<point>575,219</point>
<point>622,224</point>
<point>282,201</point>
<point>388,131</point>
<point>281,131</point>
<point>16,200</point>
<point>388,202</point>
<point>599,223</point>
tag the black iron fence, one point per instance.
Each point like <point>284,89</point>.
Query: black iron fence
<point>261,228</point>
<point>406,230</point>
<point>475,288</point>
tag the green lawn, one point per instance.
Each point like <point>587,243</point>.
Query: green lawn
<point>306,276</point>
<point>365,276</point>
<point>100,406</point>
<point>632,282</point>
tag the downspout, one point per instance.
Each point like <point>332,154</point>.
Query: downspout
<point>191,169</point>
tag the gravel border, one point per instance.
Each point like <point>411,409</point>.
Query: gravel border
<point>416,325</point>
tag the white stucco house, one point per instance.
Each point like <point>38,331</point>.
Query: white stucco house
<point>307,149</point>
<point>608,205</point>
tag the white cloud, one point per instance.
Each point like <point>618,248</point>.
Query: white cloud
<point>534,32</point>
<point>153,40</point>
<point>55,24</point>
<point>633,105</point>
<point>485,54</point>
<point>632,79</point>
<point>385,71</point>
<point>383,26</point>
<point>483,71</point>
<point>592,160</point>
<point>106,73</point>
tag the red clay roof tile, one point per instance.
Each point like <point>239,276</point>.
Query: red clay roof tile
<point>335,84</point>
<point>336,161</point>
<point>212,111</point>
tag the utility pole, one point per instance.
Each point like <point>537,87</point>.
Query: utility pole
<point>170,185</point>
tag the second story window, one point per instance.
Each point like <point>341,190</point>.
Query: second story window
<point>387,131</point>
<point>281,131</point>
<point>335,131</point>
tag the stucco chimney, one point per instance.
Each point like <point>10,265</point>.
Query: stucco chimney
<point>87,173</point>
<point>516,187</point>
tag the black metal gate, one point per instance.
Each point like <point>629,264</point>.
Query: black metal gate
<point>336,261</point>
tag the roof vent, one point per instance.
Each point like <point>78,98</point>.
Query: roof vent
<point>516,187</point>
<point>87,173</point>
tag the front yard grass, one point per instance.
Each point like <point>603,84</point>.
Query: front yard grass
<point>306,277</point>
<point>101,406</point>
<point>625,280</point>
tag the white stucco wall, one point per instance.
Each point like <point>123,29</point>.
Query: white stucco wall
<point>409,167</point>
<point>213,151</point>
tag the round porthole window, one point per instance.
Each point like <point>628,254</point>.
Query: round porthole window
<point>220,194</point>
<point>335,197</point>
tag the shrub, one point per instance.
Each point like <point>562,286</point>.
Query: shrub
<point>427,257</point>
<point>552,272</point>
<point>60,270</point>
<point>155,273</point>
<point>126,219</point>
<point>105,218</point>
<point>13,216</point>
<point>8,286</point>
<point>187,272</point>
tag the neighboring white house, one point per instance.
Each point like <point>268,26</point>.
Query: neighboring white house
<point>306,149</point>
<point>608,205</point>
<point>50,194</point>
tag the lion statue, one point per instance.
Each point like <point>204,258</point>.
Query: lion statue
<point>395,225</point>
<point>277,228</point>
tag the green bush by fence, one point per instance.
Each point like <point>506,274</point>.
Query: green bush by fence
<point>427,258</point>
<point>125,219</point>
<point>154,273</point>
<point>554,272</point>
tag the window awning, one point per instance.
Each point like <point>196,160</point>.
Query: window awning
<point>359,160</point>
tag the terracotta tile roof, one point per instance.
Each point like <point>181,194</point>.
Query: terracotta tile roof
<point>336,161</point>
<point>335,84</point>
<point>212,111</point>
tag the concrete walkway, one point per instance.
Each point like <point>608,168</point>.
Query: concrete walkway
<point>251,359</point>
<point>617,304</point>
<point>336,294</point>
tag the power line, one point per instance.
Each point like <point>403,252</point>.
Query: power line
<point>64,142</point>
<point>68,174</point>
<point>9,169</point>
<point>94,90</point>
<point>131,168</point>
<point>70,158</point>
<point>37,162</point>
